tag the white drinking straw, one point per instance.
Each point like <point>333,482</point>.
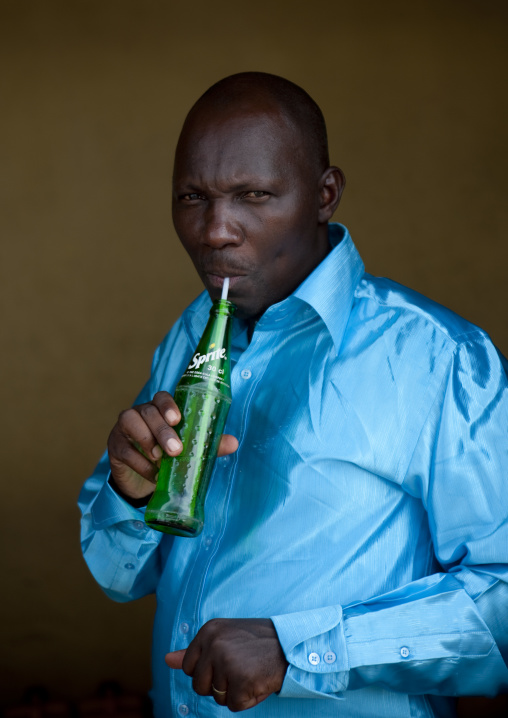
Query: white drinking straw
<point>225,288</point>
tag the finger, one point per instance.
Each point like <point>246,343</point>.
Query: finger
<point>198,660</point>
<point>219,696</point>
<point>242,695</point>
<point>165,436</point>
<point>167,407</point>
<point>228,445</point>
<point>192,656</point>
<point>129,461</point>
<point>247,703</point>
<point>132,426</point>
<point>202,677</point>
<point>219,687</point>
<point>174,659</point>
<point>125,458</point>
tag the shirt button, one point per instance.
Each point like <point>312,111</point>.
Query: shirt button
<point>139,525</point>
<point>183,709</point>
<point>404,651</point>
<point>314,659</point>
<point>330,657</point>
<point>129,566</point>
<point>246,373</point>
<point>184,627</point>
<point>208,541</point>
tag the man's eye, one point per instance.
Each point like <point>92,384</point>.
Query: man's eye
<point>191,197</point>
<point>256,194</point>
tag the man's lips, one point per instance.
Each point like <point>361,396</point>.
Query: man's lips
<point>217,280</point>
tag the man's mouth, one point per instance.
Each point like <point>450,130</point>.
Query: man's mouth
<point>217,280</point>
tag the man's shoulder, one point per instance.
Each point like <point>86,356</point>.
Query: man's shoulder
<point>390,322</point>
<point>377,296</point>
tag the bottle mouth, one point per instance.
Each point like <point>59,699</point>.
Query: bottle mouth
<point>225,305</point>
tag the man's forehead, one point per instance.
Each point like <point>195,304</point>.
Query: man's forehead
<point>244,131</point>
<point>238,159</point>
<point>239,118</point>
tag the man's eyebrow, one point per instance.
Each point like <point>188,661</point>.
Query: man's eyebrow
<point>251,185</point>
<point>254,183</point>
<point>186,187</point>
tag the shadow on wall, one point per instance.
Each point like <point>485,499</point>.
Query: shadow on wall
<point>110,701</point>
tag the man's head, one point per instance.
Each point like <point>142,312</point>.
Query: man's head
<point>252,189</point>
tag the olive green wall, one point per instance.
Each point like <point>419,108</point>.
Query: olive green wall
<point>92,96</point>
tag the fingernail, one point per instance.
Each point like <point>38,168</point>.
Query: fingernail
<point>171,416</point>
<point>156,452</point>
<point>174,445</point>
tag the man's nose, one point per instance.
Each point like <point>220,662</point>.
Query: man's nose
<point>221,225</point>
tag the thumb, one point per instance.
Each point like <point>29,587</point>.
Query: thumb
<point>228,445</point>
<point>175,658</point>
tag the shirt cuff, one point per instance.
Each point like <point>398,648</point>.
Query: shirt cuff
<point>137,503</point>
<point>109,508</point>
<point>315,647</point>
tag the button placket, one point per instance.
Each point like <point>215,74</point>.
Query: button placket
<point>191,599</point>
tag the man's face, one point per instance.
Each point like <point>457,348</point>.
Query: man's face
<point>245,206</point>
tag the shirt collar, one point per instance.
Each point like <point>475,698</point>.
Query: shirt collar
<point>330,288</point>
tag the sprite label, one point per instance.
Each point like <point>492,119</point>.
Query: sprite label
<point>209,365</point>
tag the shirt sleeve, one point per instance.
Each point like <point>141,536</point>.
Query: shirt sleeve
<point>118,547</point>
<point>121,551</point>
<point>446,633</point>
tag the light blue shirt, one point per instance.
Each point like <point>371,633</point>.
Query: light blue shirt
<point>365,510</point>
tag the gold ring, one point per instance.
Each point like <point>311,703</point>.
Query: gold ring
<point>219,693</point>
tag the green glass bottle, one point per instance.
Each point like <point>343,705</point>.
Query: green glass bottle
<point>203,396</point>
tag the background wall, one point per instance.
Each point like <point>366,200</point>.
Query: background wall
<point>93,94</point>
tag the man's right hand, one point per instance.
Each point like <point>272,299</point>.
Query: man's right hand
<point>136,442</point>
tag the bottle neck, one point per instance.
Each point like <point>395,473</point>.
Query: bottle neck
<point>222,307</point>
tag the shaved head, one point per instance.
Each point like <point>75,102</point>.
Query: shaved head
<point>261,91</point>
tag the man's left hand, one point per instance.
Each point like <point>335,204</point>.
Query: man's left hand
<point>238,661</point>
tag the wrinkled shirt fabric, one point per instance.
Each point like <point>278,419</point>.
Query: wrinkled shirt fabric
<point>365,510</point>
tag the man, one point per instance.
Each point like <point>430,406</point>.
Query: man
<point>353,560</point>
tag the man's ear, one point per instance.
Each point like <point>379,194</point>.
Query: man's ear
<point>331,186</point>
